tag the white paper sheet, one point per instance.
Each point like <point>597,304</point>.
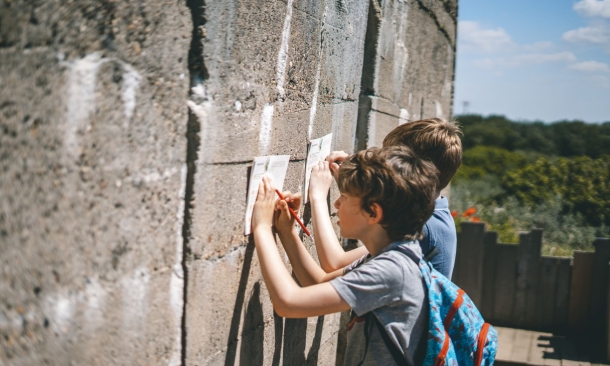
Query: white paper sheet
<point>318,150</point>
<point>274,167</point>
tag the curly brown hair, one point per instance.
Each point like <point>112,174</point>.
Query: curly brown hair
<point>432,139</point>
<point>403,184</point>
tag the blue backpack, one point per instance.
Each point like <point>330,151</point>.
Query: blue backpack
<point>457,333</point>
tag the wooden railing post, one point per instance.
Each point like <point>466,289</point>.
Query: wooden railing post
<point>599,302</point>
<point>580,291</point>
<point>490,241</point>
<point>608,318</point>
<point>469,260</point>
<point>528,259</point>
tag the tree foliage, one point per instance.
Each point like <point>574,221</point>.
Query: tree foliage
<point>482,160</point>
<point>564,138</point>
<point>582,183</point>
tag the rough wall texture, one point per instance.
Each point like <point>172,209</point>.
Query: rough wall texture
<point>126,133</point>
<point>408,71</point>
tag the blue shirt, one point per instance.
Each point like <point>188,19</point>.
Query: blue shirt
<point>439,232</point>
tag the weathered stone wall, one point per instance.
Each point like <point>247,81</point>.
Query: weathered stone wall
<point>409,65</point>
<point>126,133</point>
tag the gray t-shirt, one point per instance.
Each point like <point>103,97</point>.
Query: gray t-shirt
<point>392,287</point>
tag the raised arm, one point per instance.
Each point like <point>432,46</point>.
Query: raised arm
<point>289,300</point>
<point>305,267</point>
<point>331,254</point>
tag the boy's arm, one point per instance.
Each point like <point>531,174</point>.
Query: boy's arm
<point>307,270</point>
<point>330,253</point>
<point>289,300</point>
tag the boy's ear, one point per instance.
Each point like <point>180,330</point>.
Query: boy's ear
<point>377,215</point>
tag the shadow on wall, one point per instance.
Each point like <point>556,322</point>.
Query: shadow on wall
<point>252,345</point>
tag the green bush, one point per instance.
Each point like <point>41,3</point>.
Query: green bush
<point>582,183</point>
<point>482,160</point>
<point>563,232</point>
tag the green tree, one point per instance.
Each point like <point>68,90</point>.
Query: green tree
<point>581,182</point>
<point>562,138</point>
<point>482,160</point>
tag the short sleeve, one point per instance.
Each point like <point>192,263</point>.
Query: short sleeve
<point>371,285</point>
<point>354,264</point>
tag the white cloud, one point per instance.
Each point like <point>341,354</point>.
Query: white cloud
<point>590,66</point>
<point>538,46</point>
<point>474,38</point>
<point>593,8</point>
<point>527,59</point>
<point>597,33</point>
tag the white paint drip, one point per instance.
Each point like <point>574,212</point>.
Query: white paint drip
<point>63,313</point>
<point>134,296</point>
<point>96,298</point>
<point>81,98</point>
<point>264,137</point>
<point>131,83</point>
<point>439,109</point>
<point>82,80</point>
<point>314,101</point>
<point>199,90</point>
<point>282,56</point>
<point>176,284</point>
<point>404,116</point>
<point>200,110</point>
<point>448,73</point>
<point>401,56</point>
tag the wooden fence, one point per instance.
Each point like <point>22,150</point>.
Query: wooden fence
<point>513,285</point>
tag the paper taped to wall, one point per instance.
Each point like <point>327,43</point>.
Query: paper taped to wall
<point>318,150</point>
<point>274,167</point>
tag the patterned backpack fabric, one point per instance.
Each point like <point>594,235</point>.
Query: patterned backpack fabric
<point>457,335</point>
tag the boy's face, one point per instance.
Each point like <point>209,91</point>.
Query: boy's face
<point>353,220</point>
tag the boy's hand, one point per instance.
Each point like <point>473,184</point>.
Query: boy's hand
<point>284,222</point>
<point>320,181</point>
<point>335,159</point>
<point>262,216</point>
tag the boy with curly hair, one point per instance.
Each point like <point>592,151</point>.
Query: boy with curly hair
<point>387,195</point>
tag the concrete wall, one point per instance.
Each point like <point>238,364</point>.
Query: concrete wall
<point>126,133</point>
<point>409,65</point>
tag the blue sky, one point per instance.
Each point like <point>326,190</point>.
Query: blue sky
<point>544,60</point>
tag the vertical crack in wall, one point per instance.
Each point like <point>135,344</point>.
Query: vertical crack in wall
<point>367,79</point>
<point>457,7</point>
<point>198,74</point>
<point>438,23</point>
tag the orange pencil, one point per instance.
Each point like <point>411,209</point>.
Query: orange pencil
<point>294,214</point>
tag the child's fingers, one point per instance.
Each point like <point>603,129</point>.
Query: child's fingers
<point>337,156</point>
<point>268,185</point>
<point>294,200</point>
<point>261,190</point>
<point>284,209</point>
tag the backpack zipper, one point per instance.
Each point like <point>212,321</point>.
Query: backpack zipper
<point>481,344</point>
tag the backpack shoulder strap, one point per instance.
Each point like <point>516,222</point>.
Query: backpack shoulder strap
<point>398,356</point>
<point>409,253</point>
